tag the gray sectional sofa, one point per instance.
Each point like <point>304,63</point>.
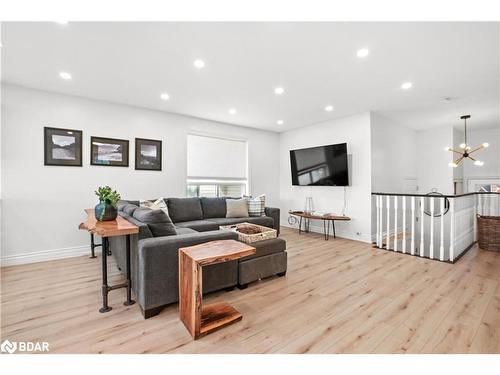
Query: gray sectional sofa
<point>154,250</point>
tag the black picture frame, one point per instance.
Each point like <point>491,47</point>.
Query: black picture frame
<point>56,149</point>
<point>145,162</point>
<point>110,147</point>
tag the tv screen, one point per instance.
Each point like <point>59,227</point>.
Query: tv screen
<point>320,166</point>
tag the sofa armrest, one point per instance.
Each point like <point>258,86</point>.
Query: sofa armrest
<point>158,265</point>
<point>275,214</point>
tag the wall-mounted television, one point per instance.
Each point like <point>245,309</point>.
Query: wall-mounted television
<point>320,166</point>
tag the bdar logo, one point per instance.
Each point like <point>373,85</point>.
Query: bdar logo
<point>8,347</point>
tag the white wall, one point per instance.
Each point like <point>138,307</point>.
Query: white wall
<point>393,149</point>
<point>355,131</point>
<point>42,205</point>
<point>433,171</point>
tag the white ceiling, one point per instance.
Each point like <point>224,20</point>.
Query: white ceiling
<point>316,63</point>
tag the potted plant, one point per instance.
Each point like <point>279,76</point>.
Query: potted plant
<point>107,208</point>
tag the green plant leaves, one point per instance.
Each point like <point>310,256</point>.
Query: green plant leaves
<point>108,195</point>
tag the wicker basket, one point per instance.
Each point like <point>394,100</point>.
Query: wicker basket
<point>488,232</point>
<point>264,233</point>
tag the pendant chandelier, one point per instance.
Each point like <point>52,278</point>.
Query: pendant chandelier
<point>466,150</point>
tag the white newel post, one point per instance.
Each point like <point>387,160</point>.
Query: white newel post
<point>452,229</point>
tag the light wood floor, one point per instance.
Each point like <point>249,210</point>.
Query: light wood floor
<point>339,296</point>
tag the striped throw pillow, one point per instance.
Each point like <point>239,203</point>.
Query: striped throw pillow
<point>256,206</point>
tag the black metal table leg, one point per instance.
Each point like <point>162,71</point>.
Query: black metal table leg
<point>300,224</point>
<point>105,287</point>
<point>324,230</point>
<point>129,300</point>
<point>93,245</point>
<point>333,226</point>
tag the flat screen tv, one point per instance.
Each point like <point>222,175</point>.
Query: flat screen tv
<point>320,166</point>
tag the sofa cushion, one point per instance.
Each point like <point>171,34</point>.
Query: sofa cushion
<point>184,209</point>
<point>198,225</point>
<point>236,208</point>
<point>213,207</point>
<point>261,220</point>
<point>266,247</point>
<point>180,230</point>
<point>130,208</point>
<point>158,222</point>
<point>144,231</point>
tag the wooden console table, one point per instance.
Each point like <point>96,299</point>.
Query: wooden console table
<point>106,229</point>
<point>202,320</point>
<point>327,218</point>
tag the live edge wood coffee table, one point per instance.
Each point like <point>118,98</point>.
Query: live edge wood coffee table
<point>106,229</point>
<point>202,320</point>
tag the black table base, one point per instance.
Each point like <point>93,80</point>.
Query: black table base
<point>326,227</point>
<point>107,288</point>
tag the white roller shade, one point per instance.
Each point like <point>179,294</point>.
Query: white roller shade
<point>216,158</point>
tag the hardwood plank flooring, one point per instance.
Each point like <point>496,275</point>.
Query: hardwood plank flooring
<point>339,296</point>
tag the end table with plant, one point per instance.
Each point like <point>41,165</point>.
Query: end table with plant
<point>106,210</point>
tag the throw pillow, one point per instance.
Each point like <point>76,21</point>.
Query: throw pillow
<point>158,222</point>
<point>237,207</point>
<point>158,204</point>
<point>257,205</point>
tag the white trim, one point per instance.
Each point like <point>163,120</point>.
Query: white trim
<point>339,232</point>
<point>45,255</point>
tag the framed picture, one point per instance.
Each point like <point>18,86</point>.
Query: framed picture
<point>62,147</point>
<point>147,154</point>
<point>109,152</point>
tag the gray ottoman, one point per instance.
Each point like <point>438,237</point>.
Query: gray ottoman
<point>270,259</point>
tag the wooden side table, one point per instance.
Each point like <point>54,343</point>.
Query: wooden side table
<point>202,320</point>
<point>106,229</point>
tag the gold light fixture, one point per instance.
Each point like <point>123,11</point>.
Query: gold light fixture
<point>466,151</point>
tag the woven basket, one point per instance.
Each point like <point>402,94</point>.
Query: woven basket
<point>488,232</point>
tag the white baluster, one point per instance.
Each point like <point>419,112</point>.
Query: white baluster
<point>431,248</point>
<point>452,229</point>
<point>477,202</point>
<point>387,236</point>
<point>441,246</point>
<point>395,223</point>
<point>381,221</point>
<point>421,226</point>
<point>404,224</point>
<point>377,205</point>
<point>412,244</point>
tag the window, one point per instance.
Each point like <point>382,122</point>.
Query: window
<point>216,167</point>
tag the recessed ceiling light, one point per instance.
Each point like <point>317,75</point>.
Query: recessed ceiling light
<point>280,122</point>
<point>232,111</point>
<point>200,64</point>
<point>329,108</point>
<point>164,96</point>
<point>62,22</point>
<point>279,90</point>
<point>406,85</point>
<point>65,75</point>
<point>1,44</point>
<point>363,52</point>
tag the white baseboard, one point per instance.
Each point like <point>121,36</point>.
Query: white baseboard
<point>338,232</point>
<point>45,255</point>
